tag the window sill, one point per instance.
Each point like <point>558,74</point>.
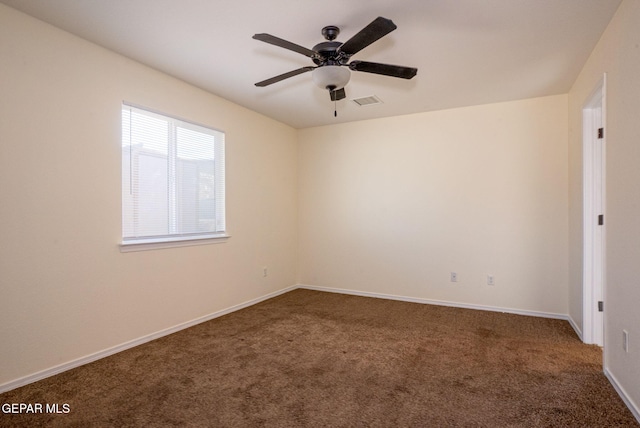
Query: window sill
<point>156,244</point>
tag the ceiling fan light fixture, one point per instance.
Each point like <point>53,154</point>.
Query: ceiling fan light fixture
<point>331,76</point>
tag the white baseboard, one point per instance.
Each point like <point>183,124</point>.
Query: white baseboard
<point>575,327</point>
<point>132,343</point>
<point>635,410</point>
<point>438,302</point>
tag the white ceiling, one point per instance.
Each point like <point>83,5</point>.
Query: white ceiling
<point>467,52</point>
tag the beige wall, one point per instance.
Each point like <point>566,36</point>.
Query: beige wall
<point>66,290</point>
<point>617,54</point>
<point>392,206</point>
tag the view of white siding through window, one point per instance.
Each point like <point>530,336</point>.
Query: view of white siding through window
<point>172,178</point>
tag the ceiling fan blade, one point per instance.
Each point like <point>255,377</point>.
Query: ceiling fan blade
<point>284,76</point>
<point>385,69</point>
<point>378,28</point>
<point>338,94</point>
<point>268,38</point>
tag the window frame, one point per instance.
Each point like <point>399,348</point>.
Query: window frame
<point>171,240</point>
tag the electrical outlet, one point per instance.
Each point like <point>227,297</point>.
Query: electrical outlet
<point>490,280</point>
<point>454,277</point>
<point>625,340</point>
<point>264,271</point>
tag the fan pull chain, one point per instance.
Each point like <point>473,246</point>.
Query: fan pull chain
<point>335,107</point>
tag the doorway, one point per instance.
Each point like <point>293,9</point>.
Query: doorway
<point>594,145</point>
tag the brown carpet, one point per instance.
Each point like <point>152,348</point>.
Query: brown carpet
<point>314,359</point>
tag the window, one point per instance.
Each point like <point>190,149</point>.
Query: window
<point>172,180</point>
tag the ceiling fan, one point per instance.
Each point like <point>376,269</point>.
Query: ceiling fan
<point>331,57</point>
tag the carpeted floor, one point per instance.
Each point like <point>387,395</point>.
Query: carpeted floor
<point>313,359</point>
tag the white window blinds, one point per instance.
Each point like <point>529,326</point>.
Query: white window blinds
<point>172,178</point>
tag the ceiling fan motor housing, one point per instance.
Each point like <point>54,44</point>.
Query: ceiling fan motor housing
<point>328,54</point>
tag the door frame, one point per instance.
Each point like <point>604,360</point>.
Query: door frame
<point>594,251</point>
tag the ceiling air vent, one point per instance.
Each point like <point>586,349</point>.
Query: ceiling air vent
<point>367,101</point>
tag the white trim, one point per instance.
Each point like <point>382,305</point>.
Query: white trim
<point>633,407</point>
<point>437,302</point>
<point>158,243</point>
<point>132,343</point>
<point>594,263</point>
<point>575,327</point>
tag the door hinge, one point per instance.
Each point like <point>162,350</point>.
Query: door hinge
<point>600,219</point>
<point>600,306</point>
<point>600,133</point>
